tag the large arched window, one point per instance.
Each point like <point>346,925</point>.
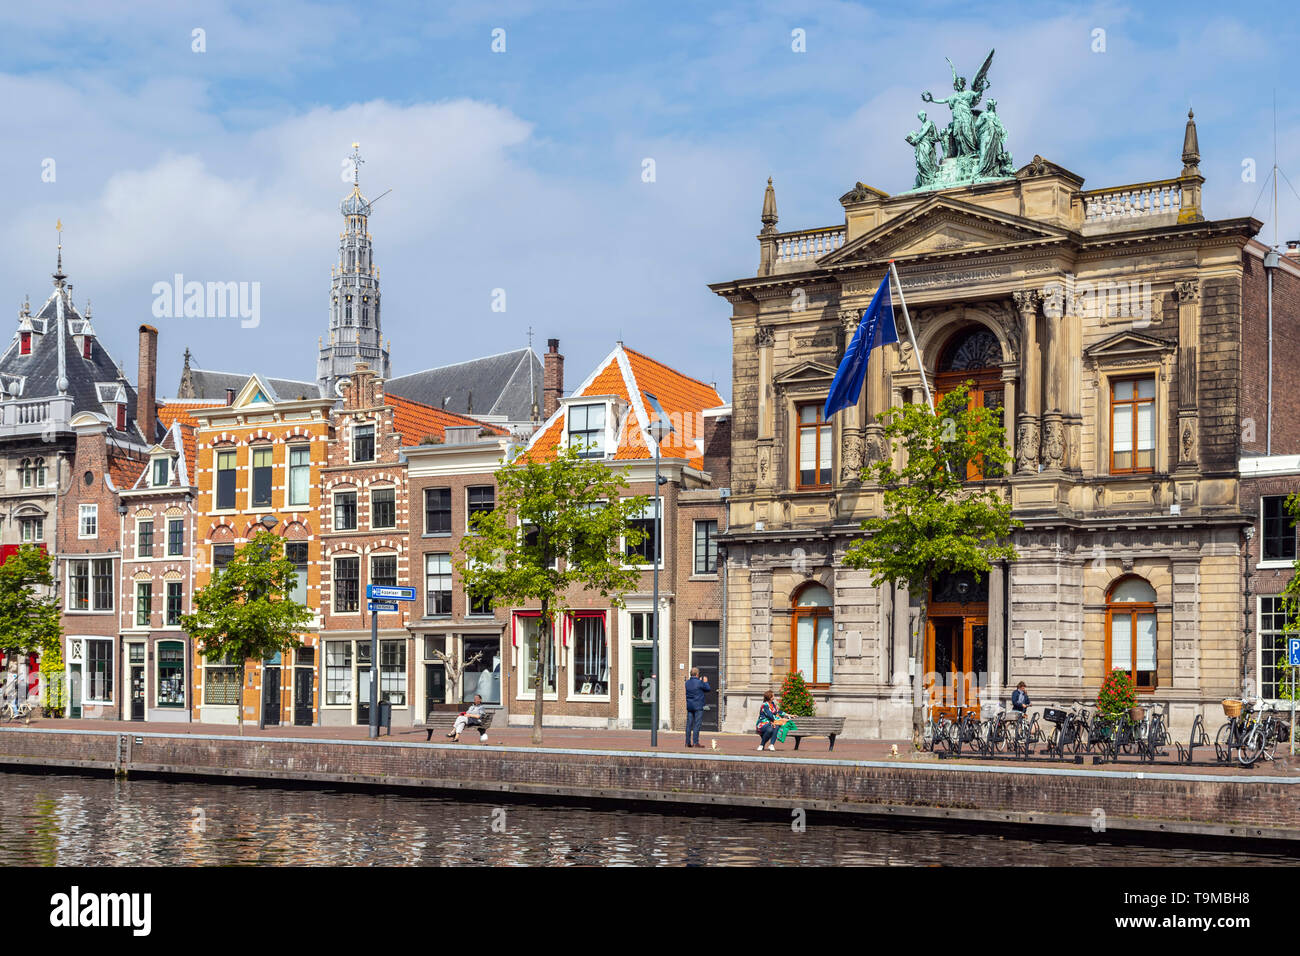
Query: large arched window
<point>973,355</point>
<point>1131,631</point>
<point>811,634</point>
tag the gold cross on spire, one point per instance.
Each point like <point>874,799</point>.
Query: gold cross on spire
<point>356,163</point>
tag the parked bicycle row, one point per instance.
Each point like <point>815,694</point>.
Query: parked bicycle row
<point>1252,730</point>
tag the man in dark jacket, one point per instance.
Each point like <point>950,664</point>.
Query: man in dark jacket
<point>695,691</point>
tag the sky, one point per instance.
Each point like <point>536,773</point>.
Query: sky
<point>219,155</point>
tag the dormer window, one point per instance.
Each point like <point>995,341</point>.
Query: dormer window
<point>161,472</point>
<point>24,343</point>
<point>587,430</point>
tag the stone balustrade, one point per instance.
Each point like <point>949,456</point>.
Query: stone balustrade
<point>809,243</point>
<point>1138,201</point>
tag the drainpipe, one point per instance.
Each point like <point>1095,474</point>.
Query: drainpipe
<point>722,642</point>
<point>1271,262</point>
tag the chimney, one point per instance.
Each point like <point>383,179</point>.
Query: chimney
<point>552,378</point>
<point>230,396</point>
<point>146,389</point>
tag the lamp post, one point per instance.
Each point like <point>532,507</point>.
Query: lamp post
<point>659,430</point>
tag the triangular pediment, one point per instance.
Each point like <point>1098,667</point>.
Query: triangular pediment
<point>806,372</point>
<point>942,225</point>
<point>254,392</point>
<point>1125,344</point>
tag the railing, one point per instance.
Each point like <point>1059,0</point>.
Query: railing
<point>1133,202</point>
<point>31,413</point>
<point>36,415</point>
<point>808,243</point>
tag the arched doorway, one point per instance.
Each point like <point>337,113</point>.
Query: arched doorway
<point>973,355</point>
<point>957,642</point>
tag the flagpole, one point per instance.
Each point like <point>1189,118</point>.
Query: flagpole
<point>911,335</point>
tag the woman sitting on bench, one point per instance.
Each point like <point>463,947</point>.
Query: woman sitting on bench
<point>770,717</point>
<point>471,718</point>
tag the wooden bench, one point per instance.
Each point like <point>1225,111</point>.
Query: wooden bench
<point>830,727</point>
<point>445,723</point>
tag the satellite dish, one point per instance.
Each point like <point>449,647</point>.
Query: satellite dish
<point>338,386</point>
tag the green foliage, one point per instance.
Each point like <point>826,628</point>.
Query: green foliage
<point>1118,693</point>
<point>933,520</point>
<point>245,611</point>
<point>796,700</point>
<point>575,517</point>
<point>1291,604</point>
<point>54,693</point>
<point>28,621</point>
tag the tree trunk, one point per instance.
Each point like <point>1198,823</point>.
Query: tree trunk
<point>543,635</point>
<point>239,698</point>
<point>918,683</point>
<point>261,708</point>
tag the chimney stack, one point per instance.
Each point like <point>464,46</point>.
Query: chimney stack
<point>230,396</point>
<point>552,378</point>
<point>146,389</point>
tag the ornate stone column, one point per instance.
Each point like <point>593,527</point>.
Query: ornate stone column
<point>764,340</point>
<point>851,418</point>
<point>1054,440</point>
<point>1189,331</point>
<point>1027,425</point>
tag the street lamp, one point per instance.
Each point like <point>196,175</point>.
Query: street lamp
<point>659,430</point>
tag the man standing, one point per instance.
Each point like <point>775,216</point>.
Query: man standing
<point>1019,698</point>
<point>695,691</point>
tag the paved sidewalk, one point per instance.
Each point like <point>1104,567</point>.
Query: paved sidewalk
<point>672,742</point>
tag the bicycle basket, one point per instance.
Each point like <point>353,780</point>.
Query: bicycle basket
<point>1054,715</point>
<point>1136,714</point>
<point>1232,708</point>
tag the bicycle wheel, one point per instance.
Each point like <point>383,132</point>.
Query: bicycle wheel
<point>1223,743</point>
<point>1252,747</point>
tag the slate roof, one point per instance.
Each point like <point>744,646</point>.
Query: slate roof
<point>36,375</point>
<point>493,385</point>
<point>415,420</point>
<point>212,385</point>
<point>630,375</point>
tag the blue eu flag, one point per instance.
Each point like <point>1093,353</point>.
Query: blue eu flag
<point>876,328</point>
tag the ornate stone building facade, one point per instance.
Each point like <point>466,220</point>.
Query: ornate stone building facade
<point>1107,325</point>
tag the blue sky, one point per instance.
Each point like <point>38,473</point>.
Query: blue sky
<point>522,170</point>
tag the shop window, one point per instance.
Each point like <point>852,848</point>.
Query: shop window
<point>99,671</point>
<point>392,672</point>
<point>171,674</point>
<point>482,672</point>
<point>590,668</point>
<point>1131,631</point>
<point>528,628</point>
<point>338,673</point>
<point>221,683</point>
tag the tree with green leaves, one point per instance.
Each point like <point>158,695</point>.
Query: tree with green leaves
<point>1291,605</point>
<point>934,520</point>
<point>29,618</point>
<point>558,525</point>
<point>246,611</point>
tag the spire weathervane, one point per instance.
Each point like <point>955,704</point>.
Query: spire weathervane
<point>58,269</point>
<point>356,164</point>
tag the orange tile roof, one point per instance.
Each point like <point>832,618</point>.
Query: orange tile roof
<point>630,375</point>
<point>124,470</point>
<point>414,421</point>
<point>180,412</point>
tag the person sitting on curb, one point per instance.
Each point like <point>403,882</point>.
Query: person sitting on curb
<point>770,717</point>
<point>470,718</point>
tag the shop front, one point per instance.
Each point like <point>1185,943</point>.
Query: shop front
<point>347,676</point>
<point>456,665</point>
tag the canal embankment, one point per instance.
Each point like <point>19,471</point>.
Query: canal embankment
<point>1256,804</point>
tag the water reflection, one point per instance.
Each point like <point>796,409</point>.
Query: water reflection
<point>58,820</point>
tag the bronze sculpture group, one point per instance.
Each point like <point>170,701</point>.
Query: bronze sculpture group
<point>973,144</point>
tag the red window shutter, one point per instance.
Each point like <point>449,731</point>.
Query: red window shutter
<point>121,416</point>
<point>25,343</point>
<point>85,347</point>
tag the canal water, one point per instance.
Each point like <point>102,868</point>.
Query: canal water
<point>65,820</point>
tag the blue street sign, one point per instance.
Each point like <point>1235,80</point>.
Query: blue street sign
<point>1293,651</point>
<point>382,593</point>
<point>381,606</point>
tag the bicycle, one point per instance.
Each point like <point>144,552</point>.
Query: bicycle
<point>1241,719</point>
<point>964,730</point>
<point>1071,725</point>
<point>1261,738</point>
<point>13,710</point>
<point>1023,732</point>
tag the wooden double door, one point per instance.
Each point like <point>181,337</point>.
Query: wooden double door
<point>956,659</point>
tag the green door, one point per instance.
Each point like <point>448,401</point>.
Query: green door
<point>641,662</point>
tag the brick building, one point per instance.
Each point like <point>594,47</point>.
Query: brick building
<point>599,658</point>
<point>157,543</point>
<point>366,538</point>
<point>259,459</point>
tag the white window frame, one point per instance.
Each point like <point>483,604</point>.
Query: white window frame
<point>1260,635</point>
<point>153,472</point>
<point>1273,562</point>
<point>334,509</point>
<point>135,605</point>
<point>695,538</point>
<point>252,471</point>
<point>352,443</point>
<point>575,691</point>
<point>650,564</point>
<point>334,582</point>
<point>85,512</point>
<point>523,689</point>
<point>31,521</point>
<point>90,583</point>
<point>349,666</point>
<point>166,598</point>
<point>451,584</point>
<point>569,433</point>
<point>85,673</point>
<point>383,527</point>
<point>153,538</point>
<point>290,466</point>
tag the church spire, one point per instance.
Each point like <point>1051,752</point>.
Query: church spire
<point>355,330</point>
